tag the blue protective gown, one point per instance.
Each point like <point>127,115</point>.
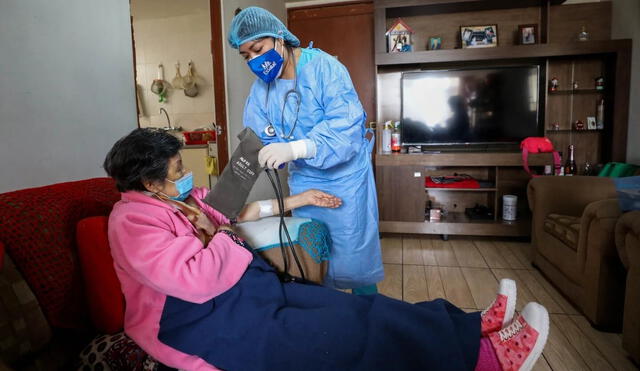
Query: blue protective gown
<point>332,117</point>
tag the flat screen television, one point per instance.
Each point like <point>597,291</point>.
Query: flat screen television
<point>497,105</point>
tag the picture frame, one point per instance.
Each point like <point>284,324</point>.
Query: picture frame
<point>527,34</point>
<point>482,36</point>
<point>435,43</point>
<point>591,123</point>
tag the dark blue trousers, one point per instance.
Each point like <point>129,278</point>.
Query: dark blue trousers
<point>263,324</point>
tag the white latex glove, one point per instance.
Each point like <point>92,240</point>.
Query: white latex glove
<point>275,154</point>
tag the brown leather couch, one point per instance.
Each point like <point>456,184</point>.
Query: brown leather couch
<point>628,243</point>
<point>574,244</point>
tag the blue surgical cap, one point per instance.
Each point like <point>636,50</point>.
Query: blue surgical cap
<point>254,23</point>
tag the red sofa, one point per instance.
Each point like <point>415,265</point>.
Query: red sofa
<point>61,306</point>
<point>47,312</point>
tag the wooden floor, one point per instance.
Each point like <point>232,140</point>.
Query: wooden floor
<point>466,272</point>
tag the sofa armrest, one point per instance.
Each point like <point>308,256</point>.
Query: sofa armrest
<point>597,227</point>
<point>628,238</point>
<point>603,273</point>
<point>567,195</point>
<point>563,195</point>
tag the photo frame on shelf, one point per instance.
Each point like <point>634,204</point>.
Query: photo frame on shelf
<point>483,36</point>
<point>527,34</point>
<point>435,43</point>
<point>591,123</point>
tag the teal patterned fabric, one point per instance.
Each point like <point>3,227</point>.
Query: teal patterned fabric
<point>314,238</point>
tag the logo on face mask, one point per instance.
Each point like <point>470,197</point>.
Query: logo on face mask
<point>267,66</point>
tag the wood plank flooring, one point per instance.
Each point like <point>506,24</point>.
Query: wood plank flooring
<point>466,271</point>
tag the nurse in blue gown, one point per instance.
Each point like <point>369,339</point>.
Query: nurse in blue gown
<point>306,111</point>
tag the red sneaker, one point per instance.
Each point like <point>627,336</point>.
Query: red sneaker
<point>519,345</point>
<point>501,310</point>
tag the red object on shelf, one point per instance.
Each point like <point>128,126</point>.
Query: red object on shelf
<point>463,183</point>
<point>199,137</point>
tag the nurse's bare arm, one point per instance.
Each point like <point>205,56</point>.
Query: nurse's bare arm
<point>311,197</point>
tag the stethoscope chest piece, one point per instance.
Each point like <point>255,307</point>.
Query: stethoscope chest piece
<point>270,131</point>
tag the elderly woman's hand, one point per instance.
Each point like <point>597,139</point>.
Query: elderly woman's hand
<point>321,199</point>
<point>202,222</point>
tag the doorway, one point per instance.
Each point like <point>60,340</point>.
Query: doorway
<point>177,84</point>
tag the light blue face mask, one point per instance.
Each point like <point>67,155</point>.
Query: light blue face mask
<point>184,185</point>
<point>267,66</point>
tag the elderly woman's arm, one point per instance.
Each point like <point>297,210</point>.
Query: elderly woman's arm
<point>179,266</point>
<point>270,207</point>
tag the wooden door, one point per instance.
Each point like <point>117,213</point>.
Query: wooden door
<point>217,44</point>
<point>345,31</point>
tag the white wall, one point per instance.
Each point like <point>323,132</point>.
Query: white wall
<point>66,88</point>
<point>625,24</point>
<point>239,79</point>
<point>166,35</point>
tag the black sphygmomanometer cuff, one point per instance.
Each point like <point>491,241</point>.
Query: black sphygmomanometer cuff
<point>232,189</point>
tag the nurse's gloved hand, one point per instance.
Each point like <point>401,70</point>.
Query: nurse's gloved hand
<point>273,155</point>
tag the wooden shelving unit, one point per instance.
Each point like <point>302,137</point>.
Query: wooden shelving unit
<point>400,177</point>
<point>504,52</point>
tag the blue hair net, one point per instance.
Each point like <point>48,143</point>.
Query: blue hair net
<point>254,23</point>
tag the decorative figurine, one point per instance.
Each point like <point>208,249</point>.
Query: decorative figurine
<point>555,126</point>
<point>599,83</point>
<point>553,86</point>
<point>578,125</point>
<point>399,37</point>
<point>583,35</point>
<point>588,169</point>
<point>575,85</point>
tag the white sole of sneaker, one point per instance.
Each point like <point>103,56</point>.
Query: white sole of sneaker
<point>508,287</point>
<point>541,321</point>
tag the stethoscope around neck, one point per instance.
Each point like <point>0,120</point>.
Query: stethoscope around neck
<point>297,99</point>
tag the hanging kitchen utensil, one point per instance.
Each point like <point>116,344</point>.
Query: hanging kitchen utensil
<point>159,86</point>
<point>178,80</point>
<point>190,86</point>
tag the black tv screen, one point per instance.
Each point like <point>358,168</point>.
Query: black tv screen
<point>470,106</point>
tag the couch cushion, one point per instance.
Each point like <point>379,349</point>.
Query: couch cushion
<point>116,352</point>
<point>38,231</point>
<point>566,228</point>
<point>23,328</point>
<point>102,287</point>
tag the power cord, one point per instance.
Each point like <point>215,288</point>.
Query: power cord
<point>277,188</point>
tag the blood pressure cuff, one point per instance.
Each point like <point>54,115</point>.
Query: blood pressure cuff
<point>230,193</point>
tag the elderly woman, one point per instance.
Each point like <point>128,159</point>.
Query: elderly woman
<point>198,298</point>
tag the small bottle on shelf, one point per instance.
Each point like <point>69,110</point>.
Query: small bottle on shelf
<point>386,137</point>
<point>570,168</point>
<point>559,169</point>
<point>395,138</point>
<point>600,115</point>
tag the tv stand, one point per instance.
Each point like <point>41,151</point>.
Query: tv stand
<point>402,196</point>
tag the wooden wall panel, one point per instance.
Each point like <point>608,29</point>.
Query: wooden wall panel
<point>566,21</point>
<point>345,31</point>
<point>447,26</point>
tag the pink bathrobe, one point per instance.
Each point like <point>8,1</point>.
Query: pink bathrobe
<point>156,253</point>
